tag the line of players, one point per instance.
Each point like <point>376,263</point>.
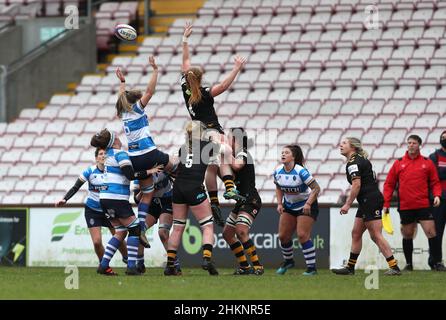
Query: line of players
<point>230,160</point>
<point>295,186</point>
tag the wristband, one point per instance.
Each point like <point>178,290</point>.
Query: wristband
<point>185,39</point>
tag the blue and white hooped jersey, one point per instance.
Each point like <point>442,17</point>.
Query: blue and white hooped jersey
<point>136,128</point>
<point>116,185</point>
<point>162,183</point>
<point>294,185</point>
<point>95,178</point>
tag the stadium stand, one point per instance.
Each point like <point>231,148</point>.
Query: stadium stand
<point>315,74</point>
<point>111,14</point>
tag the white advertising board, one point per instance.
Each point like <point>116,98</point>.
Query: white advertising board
<point>60,237</point>
<point>341,239</point>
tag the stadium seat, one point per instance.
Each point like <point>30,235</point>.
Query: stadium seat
<point>395,137</point>
<point>314,76</point>
<point>373,137</point>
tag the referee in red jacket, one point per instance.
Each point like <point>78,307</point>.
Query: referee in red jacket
<point>415,176</point>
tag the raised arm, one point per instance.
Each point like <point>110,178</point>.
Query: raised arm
<point>186,57</point>
<point>152,83</point>
<point>121,78</point>
<point>226,83</point>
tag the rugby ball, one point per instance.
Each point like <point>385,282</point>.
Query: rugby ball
<point>125,32</point>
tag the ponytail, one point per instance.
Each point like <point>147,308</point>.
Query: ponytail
<point>126,100</point>
<point>194,131</point>
<point>193,80</point>
<point>357,145</point>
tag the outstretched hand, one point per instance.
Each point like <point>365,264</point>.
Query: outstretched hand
<point>60,203</point>
<point>120,75</point>
<point>156,169</point>
<point>187,29</point>
<point>153,63</point>
<point>239,62</point>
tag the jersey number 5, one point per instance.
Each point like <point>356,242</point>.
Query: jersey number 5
<point>189,160</point>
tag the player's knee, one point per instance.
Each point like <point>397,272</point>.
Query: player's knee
<point>407,233</point>
<point>241,232</point>
<point>284,238</point>
<point>303,237</point>
<point>206,223</point>
<point>356,235</point>
<point>179,224</point>
<point>375,237</point>
<point>97,243</point>
<point>228,233</point>
<point>430,233</point>
<point>134,230</point>
<point>163,234</point>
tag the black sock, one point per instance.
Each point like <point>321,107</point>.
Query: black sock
<point>251,252</point>
<point>434,249</point>
<point>237,249</point>
<point>171,256</point>
<point>392,262</point>
<point>408,249</point>
<point>213,196</point>
<point>207,251</point>
<point>352,260</point>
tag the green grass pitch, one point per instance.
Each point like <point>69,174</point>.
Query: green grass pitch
<point>196,284</point>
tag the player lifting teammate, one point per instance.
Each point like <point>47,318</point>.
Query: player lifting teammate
<point>239,222</point>
<point>200,104</point>
<point>114,198</point>
<point>94,214</point>
<point>188,192</point>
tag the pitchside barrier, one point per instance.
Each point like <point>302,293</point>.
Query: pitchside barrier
<point>59,237</point>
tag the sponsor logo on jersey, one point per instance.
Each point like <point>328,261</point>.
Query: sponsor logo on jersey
<point>353,168</point>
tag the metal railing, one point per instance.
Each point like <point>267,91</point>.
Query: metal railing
<point>16,64</point>
<point>3,72</point>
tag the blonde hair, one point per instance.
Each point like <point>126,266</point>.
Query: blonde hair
<point>357,145</point>
<point>193,80</point>
<point>194,130</point>
<point>126,100</point>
